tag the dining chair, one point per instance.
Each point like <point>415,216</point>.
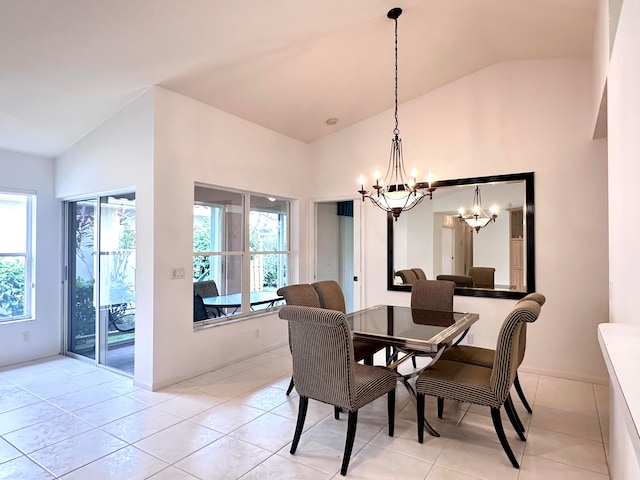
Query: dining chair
<point>433,295</point>
<point>484,357</point>
<point>490,387</point>
<point>301,294</point>
<point>199,309</point>
<point>208,288</point>
<point>331,297</point>
<point>324,369</point>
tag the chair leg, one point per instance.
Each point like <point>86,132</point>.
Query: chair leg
<point>336,412</point>
<point>440,406</point>
<point>497,424</point>
<point>351,435</point>
<point>368,360</point>
<point>413,360</point>
<point>290,386</point>
<point>514,419</point>
<point>302,413</point>
<point>391,410</point>
<point>420,415</point>
<point>516,383</point>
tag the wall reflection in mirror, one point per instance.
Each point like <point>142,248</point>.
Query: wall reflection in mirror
<point>432,240</point>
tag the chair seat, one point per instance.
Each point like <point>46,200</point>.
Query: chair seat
<point>458,381</point>
<point>469,354</point>
<point>371,382</point>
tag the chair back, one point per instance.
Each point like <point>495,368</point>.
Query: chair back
<point>433,295</point>
<point>509,347</point>
<point>540,299</point>
<point>408,276</point>
<point>420,275</point>
<point>323,364</point>
<point>483,277</point>
<point>301,294</point>
<point>206,288</point>
<point>330,295</point>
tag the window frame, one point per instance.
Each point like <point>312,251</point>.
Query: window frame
<point>28,255</point>
<point>246,253</point>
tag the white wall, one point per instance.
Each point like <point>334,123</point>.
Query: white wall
<point>509,118</point>
<point>624,228</point>
<point>118,157</point>
<point>160,145</point>
<point>29,172</point>
<point>198,143</point>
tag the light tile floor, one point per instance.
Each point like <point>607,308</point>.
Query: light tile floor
<point>62,418</point>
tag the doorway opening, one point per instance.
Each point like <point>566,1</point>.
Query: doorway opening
<point>337,232</point>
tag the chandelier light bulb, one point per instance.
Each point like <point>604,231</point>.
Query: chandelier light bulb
<point>430,178</point>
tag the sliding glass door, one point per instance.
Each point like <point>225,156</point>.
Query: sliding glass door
<point>81,254</point>
<point>101,272</point>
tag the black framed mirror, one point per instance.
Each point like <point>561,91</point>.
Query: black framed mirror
<point>496,260</point>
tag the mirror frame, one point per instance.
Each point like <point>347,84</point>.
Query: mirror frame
<point>530,229</point>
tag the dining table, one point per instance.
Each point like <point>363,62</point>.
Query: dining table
<point>410,332</point>
<point>234,300</point>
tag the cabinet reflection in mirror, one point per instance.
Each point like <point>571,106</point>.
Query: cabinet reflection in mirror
<point>433,240</point>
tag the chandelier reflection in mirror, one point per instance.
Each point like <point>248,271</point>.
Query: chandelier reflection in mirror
<point>477,218</point>
<point>397,192</point>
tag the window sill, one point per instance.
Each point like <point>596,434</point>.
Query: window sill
<point>216,322</point>
<point>16,320</point>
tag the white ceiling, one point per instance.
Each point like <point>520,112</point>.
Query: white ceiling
<point>68,65</point>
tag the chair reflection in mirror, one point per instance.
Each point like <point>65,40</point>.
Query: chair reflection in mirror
<point>483,277</point>
<point>408,276</point>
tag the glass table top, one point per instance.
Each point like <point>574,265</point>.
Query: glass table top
<point>410,328</point>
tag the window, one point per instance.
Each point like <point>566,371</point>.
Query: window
<point>16,256</point>
<point>240,251</point>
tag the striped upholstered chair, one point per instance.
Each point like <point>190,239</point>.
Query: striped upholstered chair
<point>331,297</point>
<point>485,356</point>
<point>301,294</point>
<point>326,294</point>
<point>324,369</point>
<point>479,385</point>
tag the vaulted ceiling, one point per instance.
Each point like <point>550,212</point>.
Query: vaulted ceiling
<point>289,65</point>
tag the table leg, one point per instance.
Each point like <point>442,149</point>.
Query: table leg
<point>409,387</point>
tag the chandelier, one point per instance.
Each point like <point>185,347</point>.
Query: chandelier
<point>397,191</point>
<point>477,218</point>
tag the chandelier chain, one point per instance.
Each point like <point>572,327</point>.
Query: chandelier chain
<point>396,131</point>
